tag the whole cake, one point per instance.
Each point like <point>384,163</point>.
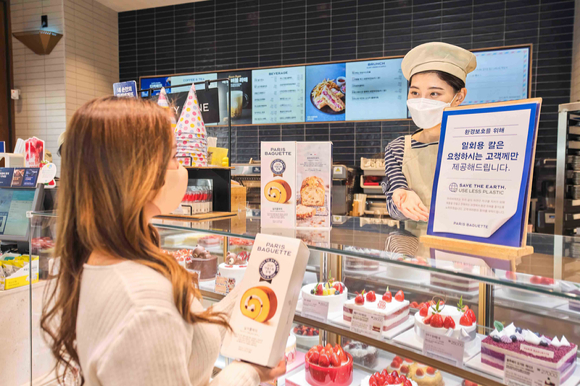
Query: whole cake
<point>234,266</point>
<point>401,366</point>
<point>388,377</point>
<point>332,292</point>
<point>454,282</point>
<point>210,241</point>
<point>328,366</point>
<point>238,245</point>
<point>362,354</point>
<point>555,354</point>
<point>361,265</point>
<point>457,322</point>
<point>306,336</point>
<point>394,311</point>
<point>402,272</point>
<point>198,260</point>
<point>312,191</point>
<point>539,281</point>
<point>425,375</point>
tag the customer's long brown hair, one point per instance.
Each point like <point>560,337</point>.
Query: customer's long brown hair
<point>113,161</point>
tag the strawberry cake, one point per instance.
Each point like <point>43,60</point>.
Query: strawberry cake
<point>388,377</point>
<point>546,283</point>
<point>328,366</point>
<point>332,292</point>
<point>457,322</point>
<point>234,266</point>
<point>394,310</point>
<point>555,354</point>
<point>425,375</point>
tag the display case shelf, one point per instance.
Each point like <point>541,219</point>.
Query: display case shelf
<point>534,291</point>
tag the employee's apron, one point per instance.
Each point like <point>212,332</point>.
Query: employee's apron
<point>419,169</point>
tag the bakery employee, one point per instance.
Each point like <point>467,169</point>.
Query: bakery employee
<point>436,73</point>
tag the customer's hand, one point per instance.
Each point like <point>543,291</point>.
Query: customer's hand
<point>409,203</point>
<point>267,374</point>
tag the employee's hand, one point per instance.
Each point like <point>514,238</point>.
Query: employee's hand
<point>267,374</point>
<point>409,203</point>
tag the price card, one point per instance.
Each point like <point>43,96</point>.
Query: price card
<point>366,323</point>
<point>523,373</point>
<point>315,309</point>
<point>222,285</point>
<point>444,348</point>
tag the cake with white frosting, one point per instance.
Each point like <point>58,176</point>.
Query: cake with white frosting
<point>552,353</point>
<point>393,310</point>
<point>332,292</point>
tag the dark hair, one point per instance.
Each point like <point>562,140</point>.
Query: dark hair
<point>453,81</point>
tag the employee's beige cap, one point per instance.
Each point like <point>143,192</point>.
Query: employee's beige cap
<point>439,57</point>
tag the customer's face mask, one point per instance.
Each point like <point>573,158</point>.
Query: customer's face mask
<point>172,192</point>
<point>427,113</point>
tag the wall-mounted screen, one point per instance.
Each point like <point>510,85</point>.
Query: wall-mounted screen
<point>375,89</point>
<point>278,95</point>
<point>501,75</point>
<point>157,83</point>
<point>325,92</point>
<point>188,79</point>
<point>347,91</point>
<point>241,83</point>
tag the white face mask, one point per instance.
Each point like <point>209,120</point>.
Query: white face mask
<point>172,192</point>
<point>427,113</point>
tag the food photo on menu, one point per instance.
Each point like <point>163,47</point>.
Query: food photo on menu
<point>326,92</point>
<point>241,98</point>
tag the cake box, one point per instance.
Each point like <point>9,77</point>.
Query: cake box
<point>313,184</point>
<point>262,316</point>
<point>278,184</point>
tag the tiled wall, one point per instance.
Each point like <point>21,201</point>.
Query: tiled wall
<point>41,110</point>
<point>82,66</point>
<point>228,34</point>
<point>575,87</point>
<point>92,52</point>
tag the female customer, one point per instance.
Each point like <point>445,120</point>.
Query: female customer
<point>436,74</point>
<point>121,309</point>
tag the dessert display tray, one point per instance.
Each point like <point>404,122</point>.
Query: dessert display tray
<point>475,363</point>
<point>389,334</point>
<point>448,381</point>
<point>409,338</point>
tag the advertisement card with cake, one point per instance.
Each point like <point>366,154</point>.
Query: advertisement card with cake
<point>326,88</point>
<point>278,184</point>
<point>313,182</point>
<point>241,97</point>
<point>33,152</point>
<point>262,316</point>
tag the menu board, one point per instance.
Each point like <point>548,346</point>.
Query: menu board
<point>501,75</point>
<point>241,84</point>
<point>325,92</point>
<point>188,79</point>
<point>375,90</point>
<point>278,95</point>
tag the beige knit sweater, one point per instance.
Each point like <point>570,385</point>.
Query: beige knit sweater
<point>129,332</point>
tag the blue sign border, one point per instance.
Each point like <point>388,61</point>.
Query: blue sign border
<point>511,232</point>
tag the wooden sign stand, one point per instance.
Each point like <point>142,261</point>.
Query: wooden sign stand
<point>484,249</point>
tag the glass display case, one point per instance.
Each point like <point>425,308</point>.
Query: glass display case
<point>435,317</point>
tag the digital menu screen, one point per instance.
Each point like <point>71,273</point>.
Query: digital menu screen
<point>325,92</point>
<point>241,84</point>
<point>278,95</point>
<point>147,83</point>
<point>501,75</point>
<point>375,90</point>
<point>14,204</point>
<point>188,79</point>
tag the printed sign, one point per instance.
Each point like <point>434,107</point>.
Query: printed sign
<point>6,177</point>
<point>30,177</point>
<point>47,173</point>
<point>444,348</point>
<point>366,323</point>
<point>125,89</point>
<point>315,310</point>
<point>523,373</point>
<point>483,173</point>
